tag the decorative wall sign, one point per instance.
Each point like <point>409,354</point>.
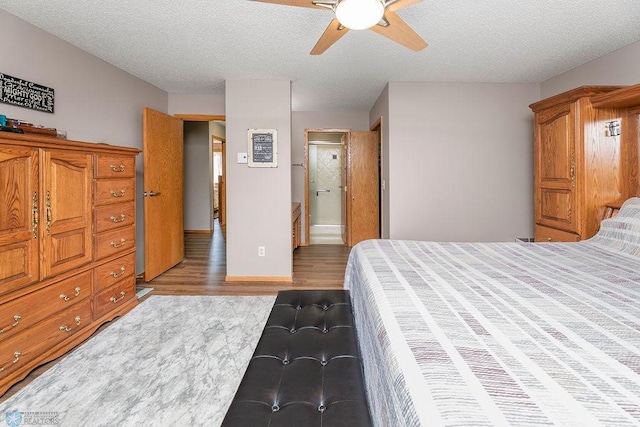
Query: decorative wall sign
<point>263,148</point>
<point>26,94</point>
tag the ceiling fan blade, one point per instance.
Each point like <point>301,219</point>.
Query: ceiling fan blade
<point>332,34</point>
<point>401,4</point>
<point>300,3</point>
<point>400,32</point>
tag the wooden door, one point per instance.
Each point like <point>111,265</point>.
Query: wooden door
<point>555,172</point>
<point>362,187</point>
<point>66,207</point>
<point>19,209</point>
<point>344,220</point>
<point>164,187</point>
<point>222,188</point>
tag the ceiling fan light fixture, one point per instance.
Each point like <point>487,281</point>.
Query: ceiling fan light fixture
<point>359,14</point>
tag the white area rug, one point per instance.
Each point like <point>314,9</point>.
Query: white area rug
<point>171,361</point>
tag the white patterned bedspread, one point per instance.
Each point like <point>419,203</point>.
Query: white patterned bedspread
<point>502,333</point>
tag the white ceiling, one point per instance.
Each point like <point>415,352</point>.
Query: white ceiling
<point>192,46</point>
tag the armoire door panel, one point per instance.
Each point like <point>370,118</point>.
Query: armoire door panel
<point>557,209</point>
<point>19,227</point>
<point>67,206</point>
<point>556,148</point>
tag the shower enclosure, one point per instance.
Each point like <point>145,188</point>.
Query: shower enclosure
<point>325,191</point>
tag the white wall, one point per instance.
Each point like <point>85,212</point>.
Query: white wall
<point>460,161</point>
<point>621,67</point>
<point>301,120</point>
<point>258,199</point>
<point>197,177</point>
<point>94,101</point>
<point>380,111</point>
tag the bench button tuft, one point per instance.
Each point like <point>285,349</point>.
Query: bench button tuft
<point>285,362</point>
<point>323,363</point>
<point>321,408</point>
<point>293,331</point>
<point>275,408</point>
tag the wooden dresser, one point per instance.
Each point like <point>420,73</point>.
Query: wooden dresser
<point>578,168</point>
<point>67,246</point>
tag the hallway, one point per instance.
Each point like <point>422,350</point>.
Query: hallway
<point>204,268</point>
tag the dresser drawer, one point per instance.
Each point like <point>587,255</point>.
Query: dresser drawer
<point>114,191</point>
<point>115,241</point>
<point>548,234</point>
<point>109,217</point>
<point>115,296</point>
<point>112,272</point>
<point>23,348</point>
<point>114,166</point>
<point>28,310</point>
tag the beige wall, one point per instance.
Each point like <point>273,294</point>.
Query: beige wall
<point>460,161</point>
<point>94,101</point>
<point>258,199</point>
<point>302,120</point>
<point>197,177</point>
<point>191,103</point>
<point>621,67</point>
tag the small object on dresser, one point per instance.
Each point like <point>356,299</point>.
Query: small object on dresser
<point>3,120</point>
<point>10,129</point>
<point>61,134</point>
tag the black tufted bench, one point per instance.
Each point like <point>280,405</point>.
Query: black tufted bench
<point>306,368</point>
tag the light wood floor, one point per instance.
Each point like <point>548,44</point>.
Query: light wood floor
<point>204,269</point>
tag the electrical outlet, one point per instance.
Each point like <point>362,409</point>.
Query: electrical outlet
<point>260,250</point>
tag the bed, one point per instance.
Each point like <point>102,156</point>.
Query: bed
<point>501,333</point>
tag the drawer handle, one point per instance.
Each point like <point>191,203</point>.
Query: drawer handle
<point>115,300</point>
<point>16,357</point>
<point>116,275</point>
<point>118,245</point>
<point>117,220</point>
<point>116,194</point>
<point>548,239</point>
<point>16,319</point>
<point>65,328</point>
<point>64,297</point>
<point>117,168</point>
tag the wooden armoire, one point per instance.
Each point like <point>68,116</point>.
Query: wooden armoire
<point>578,167</point>
<point>67,246</point>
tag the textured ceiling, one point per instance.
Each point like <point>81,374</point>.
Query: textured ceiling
<point>192,46</point>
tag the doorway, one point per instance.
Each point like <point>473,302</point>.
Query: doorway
<point>153,235</point>
<point>342,174</point>
<point>326,177</point>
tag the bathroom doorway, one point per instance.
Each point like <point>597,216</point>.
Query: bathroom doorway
<point>326,184</point>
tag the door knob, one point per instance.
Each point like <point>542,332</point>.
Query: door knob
<point>151,194</point>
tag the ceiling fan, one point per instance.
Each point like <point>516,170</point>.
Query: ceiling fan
<point>377,15</point>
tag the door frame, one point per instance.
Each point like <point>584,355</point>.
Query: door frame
<point>210,118</point>
<point>307,240</point>
<point>194,118</point>
<point>377,127</point>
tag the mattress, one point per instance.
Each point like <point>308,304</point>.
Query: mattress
<point>523,334</point>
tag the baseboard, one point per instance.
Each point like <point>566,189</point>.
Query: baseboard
<point>198,231</point>
<point>258,279</point>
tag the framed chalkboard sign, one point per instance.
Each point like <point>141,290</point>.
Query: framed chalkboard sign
<point>263,148</point>
<point>26,94</point>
